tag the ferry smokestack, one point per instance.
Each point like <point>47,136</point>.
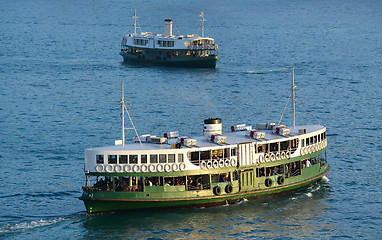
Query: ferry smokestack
<point>168,27</point>
<point>212,126</point>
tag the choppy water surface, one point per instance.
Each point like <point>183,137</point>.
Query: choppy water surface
<point>61,74</point>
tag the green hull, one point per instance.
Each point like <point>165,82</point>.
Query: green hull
<point>103,201</point>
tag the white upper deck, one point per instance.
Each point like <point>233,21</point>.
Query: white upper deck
<point>265,144</point>
<point>167,40</point>
<point>232,138</point>
<point>161,41</point>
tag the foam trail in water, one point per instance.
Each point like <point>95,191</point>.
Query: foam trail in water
<point>19,227</point>
<point>267,71</point>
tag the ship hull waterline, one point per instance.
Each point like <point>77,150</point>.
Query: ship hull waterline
<point>112,205</point>
<point>186,62</point>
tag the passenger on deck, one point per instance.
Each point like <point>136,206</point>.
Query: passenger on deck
<point>308,164</point>
<point>286,170</point>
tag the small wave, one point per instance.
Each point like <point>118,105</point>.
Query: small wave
<point>325,179</point>
<point>20,227</point>
<point>312,190</point>
<point>242,200</point>
<point>293,198</point>
<point>309,194</point>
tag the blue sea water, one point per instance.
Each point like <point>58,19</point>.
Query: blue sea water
<point>61,75</point>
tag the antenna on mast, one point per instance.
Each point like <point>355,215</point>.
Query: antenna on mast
<point>202,20</point>
<point>123,106</point>
<point>293,99</point>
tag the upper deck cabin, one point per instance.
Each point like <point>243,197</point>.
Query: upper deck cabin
<point>167,41</point>
<point>160,41</point>
<point>241,146</point>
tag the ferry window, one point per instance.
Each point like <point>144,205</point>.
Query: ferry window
<point>194,156</point>
<point>122,159</point>
<point>260,172</point>
<point>315,139</point>
<point>233,151</point>
<point>99,159</point>
<point>284,145</point>
<point>260,148</point>
<point>294,143</point>
<point>319,137</point>
<point>292,169</point>
<point>205,155</point>
<point>303,143</point>
<point>235,176</point>
<point>227,153</point>
<point>162,158</point>
<point>133,159</point>
<point>112,159</point>
<point>180,157</point>
<point>171,158</point>
<point>274,147</point>
<point>218,153</point>
<point>215,178</point>
<point>153,158</point>
<point>143,158</point>
<point>311,140</point>
<point>153,181</point>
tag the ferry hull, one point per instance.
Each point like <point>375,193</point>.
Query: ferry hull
<point>96,202</point>
<point>178,61</point>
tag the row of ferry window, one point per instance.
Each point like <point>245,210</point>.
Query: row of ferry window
<point>138,159</point>
<point>314,139</point>
<point>166,43</point>
<point>277,146</point>
<point>142,42</point>
<point>212,154</point>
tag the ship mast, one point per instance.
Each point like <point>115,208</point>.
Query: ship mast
<point>123,106</point>
<point>123,116</point>
<point>293,99</point>
<point>135,22</point>
<point>202,20</point>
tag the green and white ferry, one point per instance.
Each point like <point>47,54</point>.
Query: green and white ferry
<point>168,49</point>
<point>173,171</point>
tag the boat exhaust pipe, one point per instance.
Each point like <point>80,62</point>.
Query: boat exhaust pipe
<point>168,27</point>
<point>212,126</point>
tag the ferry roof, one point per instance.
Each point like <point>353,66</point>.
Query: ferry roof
<point>232,138</point>
<point>163,36</point>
